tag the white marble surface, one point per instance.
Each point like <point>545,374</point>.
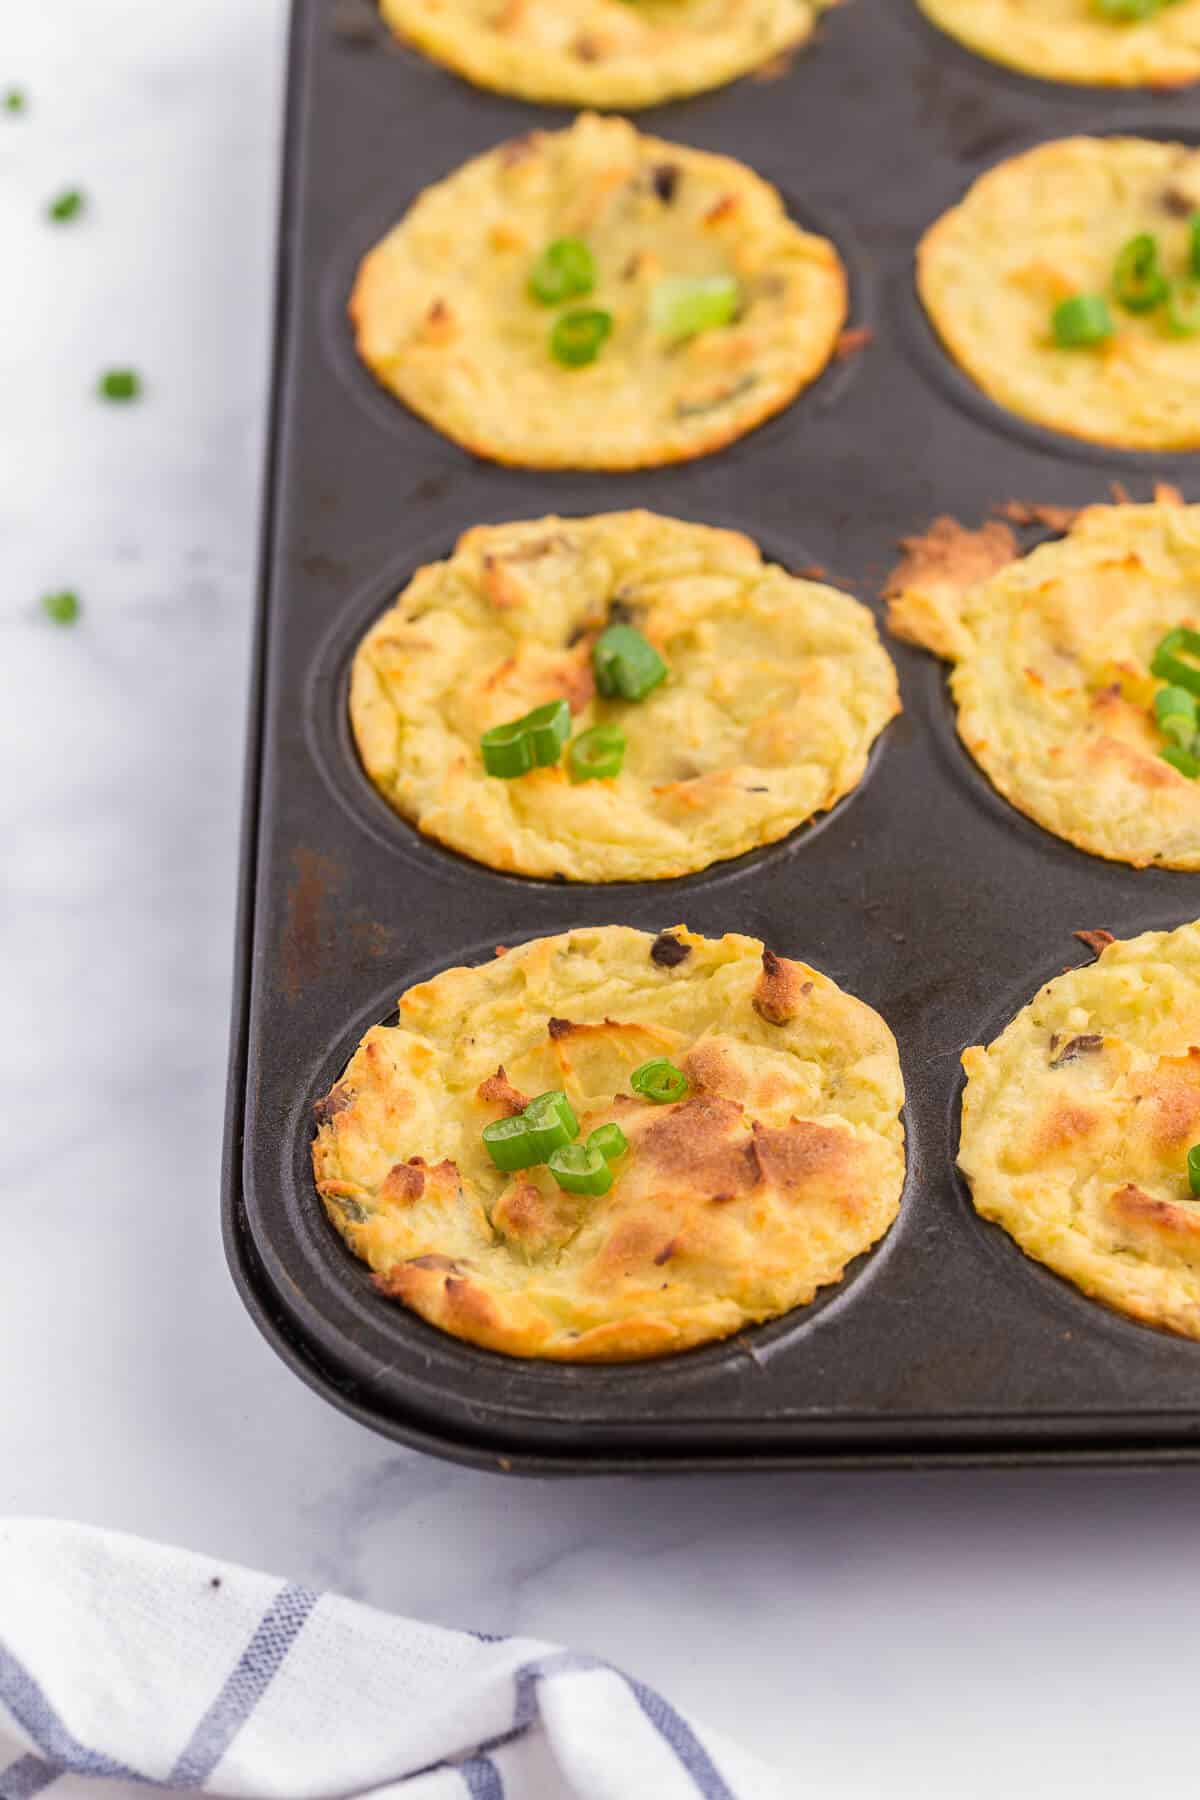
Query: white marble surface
<point>956,1635</point>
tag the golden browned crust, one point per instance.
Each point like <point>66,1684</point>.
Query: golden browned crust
<point>443,316</point>
<point>1058,709</point>
<point>604,53</point>
<point>775,691</point>
<point>1078,1120</point>
<point>1038,229</point>
<point>782,1162</point>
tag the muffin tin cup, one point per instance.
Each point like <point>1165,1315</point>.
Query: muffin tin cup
<point>922,892</point>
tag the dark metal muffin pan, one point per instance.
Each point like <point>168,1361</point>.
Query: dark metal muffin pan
<point>923,892</point>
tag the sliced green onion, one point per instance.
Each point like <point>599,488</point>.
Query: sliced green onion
<point>565,269</point>
<point>1166,662</point>
<point>682,305</point>
<point>609,1140</point>
<point>532,741</point>
<point>551,1122</point>
<point>62,608</point>
<point>66,206</point>
<point>577,337</point>
<point>1183,308</point>
<point>1194,1168</point>
<point>1138,282</point>
<point>597,753</point>
<point>1127,11</point>
<point>1175,713</point>
<point>659,1081</point>
<point>1081,321</point>
<point>1184,760</point>
<point>626,665</point>
<point>510,1143</point>
<point>120,384</point>
<point>1194,231</point>
<point>581,1170</point>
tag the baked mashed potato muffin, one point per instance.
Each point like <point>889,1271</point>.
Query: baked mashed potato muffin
<point>1052,652</point>
<point>1078,40</point>
<point>775,690</point>
<point>593,298</point>
<point>1034,251</point>
<point>603,52</point>
<point>1078,1120</point>
<point>781,1161</point>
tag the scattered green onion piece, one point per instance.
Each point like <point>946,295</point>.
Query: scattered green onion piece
<point>533,741</point>
<point>1194,1168</point>
<point>1081,321</point>
<point>1127,11</point>
<point>1138,282</point>
<point>659,1081</point>
<point>1175,713</point>
<point>596,754</point>
<point>609,1140</point>
<point>577,337</point>
<point>551,1123</point>
<point>626,665</point>
<point>565,270</point>
<point>14,100</point>
<point>581,1170</point>
<point>1184,760</point>
<point>120,384</point>
<point>1183,308</point>
<point>1167,664</point>
<point>682,305</point>
<point>62,608</point>
<point>66,206</point>
<point>548,728</point>
<point>1194,258</point>
<point>510,1143</point>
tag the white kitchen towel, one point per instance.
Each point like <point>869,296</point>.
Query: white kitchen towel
<point>125,1660</point>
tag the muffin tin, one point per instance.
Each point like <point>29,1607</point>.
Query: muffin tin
<point>923,892</point>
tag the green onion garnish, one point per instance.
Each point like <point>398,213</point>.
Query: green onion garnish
<point>1194,231</point>
<point>1175,713</point>
<point>597,754</point>
<point>66,206</point>
<point>533,741</point>
<point>1167,664</point>
<point>509,1143</point>
<point>1128,11</point>
<point>626,665</point>
<point>659,1081</point>
<point>546,1125</point>
<point>581,1170</point>
<point>1183,308</point>
<point>62,608</point>
<point>551,1122</point>
<point>120,384</point>
<point>609,1140</point>
<point>1183,760</point>
<point>577,337</point>
<point>682,305</point>
<point>565,270</point>
<point>1081,321</point>
<point>1138,282</point>
<point>14,100</point>
<point>1194,1168</point>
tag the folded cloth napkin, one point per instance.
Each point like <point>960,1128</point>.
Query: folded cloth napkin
<point>123,1659</point>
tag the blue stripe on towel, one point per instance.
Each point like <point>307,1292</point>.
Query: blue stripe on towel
<point>33,1712</point>
<point>482,1778</point>
<point>22,1780</point>
<point>670,1726</point>
<point>244,1687</point>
